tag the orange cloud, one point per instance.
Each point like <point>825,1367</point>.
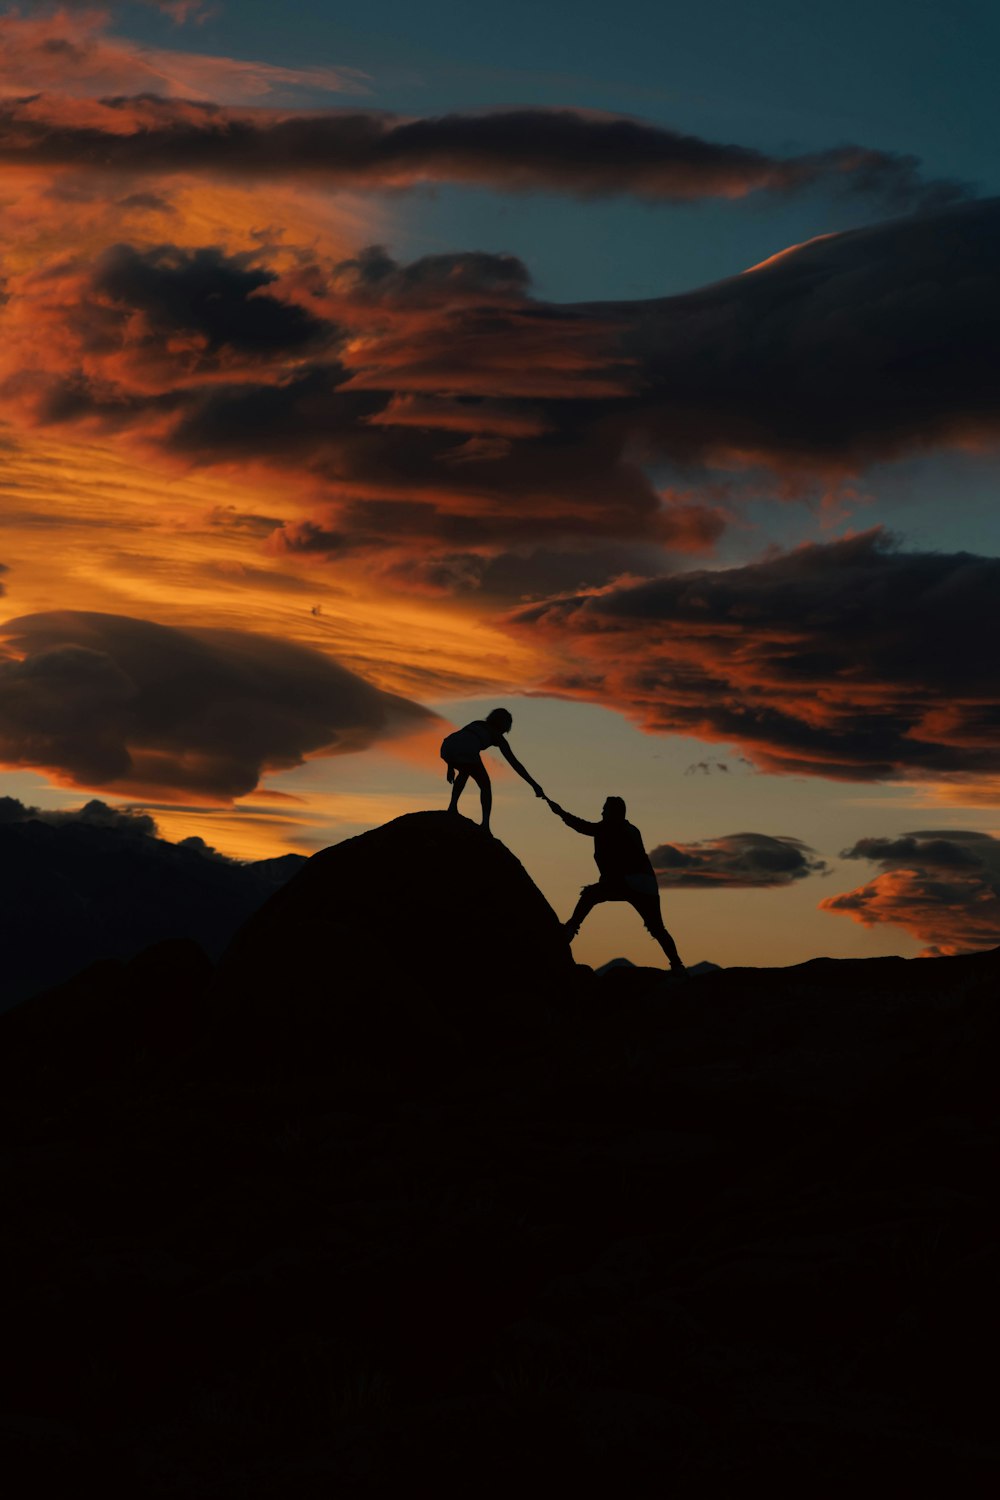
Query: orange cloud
<point>433,424</point>
<point>241,360</point>
<point>942,887</point>
<point>830,660</point>
<point>441,403</point>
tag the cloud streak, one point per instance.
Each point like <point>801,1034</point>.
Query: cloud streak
<point>70,52</point>
<point>577,152</point>
<point>942,887</point>
<point>736,860</point>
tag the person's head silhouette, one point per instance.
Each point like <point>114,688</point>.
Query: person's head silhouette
<point>614,810</point>
<point>499,718</point>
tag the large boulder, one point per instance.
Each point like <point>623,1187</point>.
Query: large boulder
<point>424,932</point>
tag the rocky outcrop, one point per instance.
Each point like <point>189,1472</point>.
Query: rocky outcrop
<point>424,932</point>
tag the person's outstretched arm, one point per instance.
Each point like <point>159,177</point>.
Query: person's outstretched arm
<point>579,825</point>
<point>516,765</point>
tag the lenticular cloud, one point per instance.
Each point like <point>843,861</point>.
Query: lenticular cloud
<point>131,706</point>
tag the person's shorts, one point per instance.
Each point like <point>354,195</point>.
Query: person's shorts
<point>476,763</point>
<point>460,749</point>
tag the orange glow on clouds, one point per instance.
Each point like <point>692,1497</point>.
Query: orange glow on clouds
<point>133,540</point>
<point>227,410</point>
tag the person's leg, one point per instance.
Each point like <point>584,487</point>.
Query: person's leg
<point>457,788</point>
<point>590,896</point>
<point>481,776</point>
<point>648,907</point>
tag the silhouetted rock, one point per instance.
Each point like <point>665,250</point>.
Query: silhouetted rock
<point>424,932</point>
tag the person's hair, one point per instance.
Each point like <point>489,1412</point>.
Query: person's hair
<point>616,805</point>
<point>499,718</point>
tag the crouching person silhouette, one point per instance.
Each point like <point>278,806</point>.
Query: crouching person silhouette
<point>626,874</point>
<point>462,752</point>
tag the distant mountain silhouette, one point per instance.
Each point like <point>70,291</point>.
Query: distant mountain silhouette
<point>81,888</point>
<point>616,963</point>
<point>704,967</point>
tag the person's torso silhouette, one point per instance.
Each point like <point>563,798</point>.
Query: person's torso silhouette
<point>626,873</point>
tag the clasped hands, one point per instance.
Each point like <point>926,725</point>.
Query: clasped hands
<point>539,792</point>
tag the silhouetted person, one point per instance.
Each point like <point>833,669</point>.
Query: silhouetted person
<point>462,751</point>
<point>626,874</point>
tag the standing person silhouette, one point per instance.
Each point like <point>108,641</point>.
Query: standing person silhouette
<point>626,874</point>
<point>462,751</point>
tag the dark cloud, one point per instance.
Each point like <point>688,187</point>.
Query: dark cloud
<point>110,701</point>
<point>130,822</point>
<point>844,351</point>
<point>579,152</point>
<point>75,397</point>
<point>522,574</point>
<point>945,850</point>
<point>941,886</point>
<point>3,569</point>
<point>309,417</point>
<point>845,659</point>
<point>374,275</point>
<point>736,859</point>
<point>848,349</point>
<point>93,814</point>
<point>154,201</point>
<point>217,298</point>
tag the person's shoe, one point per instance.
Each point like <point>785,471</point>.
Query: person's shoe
<point>679,971</point>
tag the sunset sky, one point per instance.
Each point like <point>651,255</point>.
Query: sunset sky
<point>635,367</point>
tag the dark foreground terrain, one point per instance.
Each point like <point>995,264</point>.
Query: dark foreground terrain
<point>389,1204</point>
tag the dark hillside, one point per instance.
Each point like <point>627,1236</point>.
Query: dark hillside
<point>631,1234</point>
